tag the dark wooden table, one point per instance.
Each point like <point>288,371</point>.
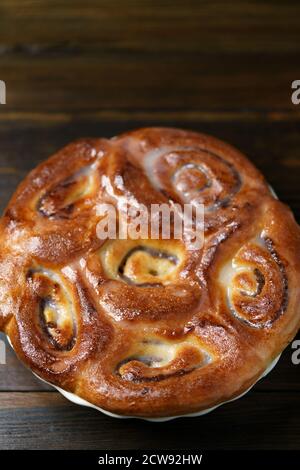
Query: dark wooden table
<point>97,68</point>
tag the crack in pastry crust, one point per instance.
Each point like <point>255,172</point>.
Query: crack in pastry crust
<point>147,327</point>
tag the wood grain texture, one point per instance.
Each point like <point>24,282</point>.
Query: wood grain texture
<point>44,421</point>
<point>159,25</point>
<point>98,55</point>
<point>15,377</point>
<point>146,81</point>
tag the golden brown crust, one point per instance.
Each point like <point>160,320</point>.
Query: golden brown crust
<point>148,327</point>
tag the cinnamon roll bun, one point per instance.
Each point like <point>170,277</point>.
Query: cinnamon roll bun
<point>142,326</point>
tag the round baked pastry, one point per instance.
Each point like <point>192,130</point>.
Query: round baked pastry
<point>147,327</point>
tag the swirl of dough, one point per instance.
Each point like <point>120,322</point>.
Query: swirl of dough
<point>57,325</point>
<point>194,175</point>
<point>143,279</point>
<point>185,167</point>
<point>156,359</point>
<point>53,214</point>
<point>63,198</point>
<point>256,284</point>
<point>56,316</point>
<point>143,262</point>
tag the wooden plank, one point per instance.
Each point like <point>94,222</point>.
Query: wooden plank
<point>186,116</point>
<point>16,400</point>
<point>14,376</point>
<point>107,55</point>
<point>109,80</point>
<point>142,25</point>
<point>129,54</point>
<point>45,421</point>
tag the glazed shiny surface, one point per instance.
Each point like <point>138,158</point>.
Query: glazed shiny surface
<point>148,327</point>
